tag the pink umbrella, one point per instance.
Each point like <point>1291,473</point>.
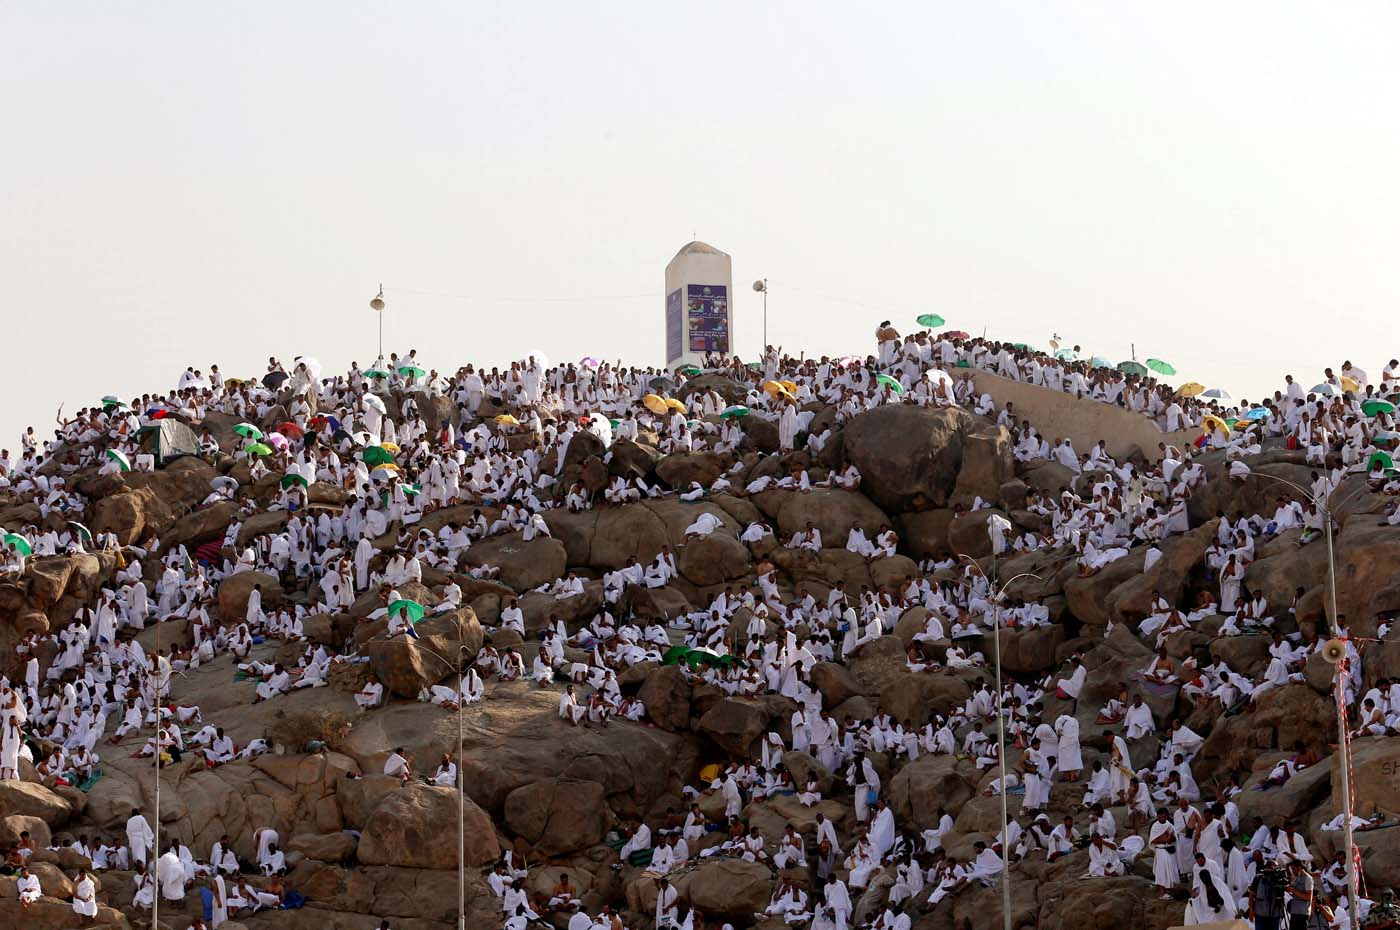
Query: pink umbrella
<point>589,361</point>
<point>277,440</point>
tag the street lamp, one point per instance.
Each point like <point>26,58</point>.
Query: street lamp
<point>462,651</point>
<point>998,595</point>
<point>155,688</point>
<point>1338,683</point>
<point>761,285</point>
<point>377,305</point>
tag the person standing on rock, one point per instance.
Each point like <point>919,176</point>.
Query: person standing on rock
<point>1069,760</point>
<point>139,836</point>
<point>667,914</point>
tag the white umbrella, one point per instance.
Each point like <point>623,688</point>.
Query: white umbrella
<point>540,358</point>
<point>936,375</point>
<point>1323,388</point>
<point>312,366</point>
<point>224,481</point>
<point>372,400</point>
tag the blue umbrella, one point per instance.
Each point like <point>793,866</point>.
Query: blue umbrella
<point>1258,413</point>
<point>1100,362</point>
<point>1063,354</point>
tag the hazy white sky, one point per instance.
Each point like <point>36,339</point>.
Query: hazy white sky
<point>194,183</point>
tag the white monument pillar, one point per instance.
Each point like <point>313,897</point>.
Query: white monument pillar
<point>699,315</point>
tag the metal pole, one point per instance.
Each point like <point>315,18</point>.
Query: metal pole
<point>1331,569</point>
<point>155,830</point>
<point>461,816</point>
<point>1339,694</point>
<point>1344,746</point>
<point>381,335</point>
<point>1343,737</point>
<point>765,316</point>
<point>1001,769</point>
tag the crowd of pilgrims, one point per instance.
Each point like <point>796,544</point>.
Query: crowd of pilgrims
<point>102,692</point>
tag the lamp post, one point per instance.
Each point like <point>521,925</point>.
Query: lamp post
<point>377,305</point>
<point>461,777</point>
<point>761,285</point>
<point>1338,684</point>
<point>152,681</point>
<point>997,596</point>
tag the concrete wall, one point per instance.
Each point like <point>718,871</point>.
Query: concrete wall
<point>1084,422</point>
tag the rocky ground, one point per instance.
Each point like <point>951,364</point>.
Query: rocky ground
<point>362,848</point>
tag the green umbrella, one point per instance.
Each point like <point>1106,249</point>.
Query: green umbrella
<point>111,400</point>
<point>1161,367</point>
<point>893,384</point>
<point>412,490</point>
<point>413,609</point>
<point>259,448</point>
<point>248,431</point>
<point>291,478</point>
<point>120,458</point>
<point>1376,407</point>
<point>754,366</point>
<point>689,371</point>
<point>1132,368</point>
<point>20,543</point>
<point>414,370</point>
<point>377,455</point>
<point>83,531</point>
<point>615,423</point>
<point>1382,457</point>
<point>963,363</point>
<point>674,655</point>
<point>1023,347</point>
<point>930,320</point>
<point>737,410</point>
<point>376,373</point>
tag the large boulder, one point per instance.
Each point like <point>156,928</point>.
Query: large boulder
<point>987,463</point>
<point>735,723</point>
<point>831,510</point>
<point>33,800</point>
<point>929,782</point>
<point>666,696</point>
<point>324,847</point>
<point>558,815</point>
<point>680,469</point>
<point>405,665</point>
<point>727,888</point>
<point>714,559</point>
<point>235,590</point>
<point>523,565</point>
<point>415,826</point>
<point>908,456</point>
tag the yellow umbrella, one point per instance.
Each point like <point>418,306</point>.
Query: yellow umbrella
<point>790,385</point>
<point>773,387</point>
<point>673,404</point>
<point>655,403</point>
<point>1212,423</point>
<point>1191,389</point>
<point>389,465</point>
<point>506,419</point>
<point>390,446</point>
<point>1350,384</point>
